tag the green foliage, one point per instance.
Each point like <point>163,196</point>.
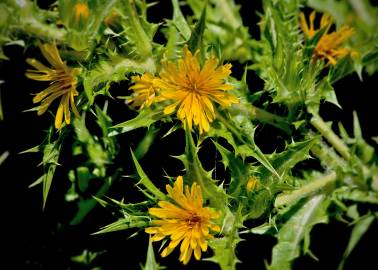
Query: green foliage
<point>279,192</point>
<point>296,229</point>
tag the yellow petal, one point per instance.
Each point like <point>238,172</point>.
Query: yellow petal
<point>59,116</point>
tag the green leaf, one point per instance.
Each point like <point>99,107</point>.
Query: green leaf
<point>364,150</point>
<point>359,229</point>
<point>224,247</point>
<point>196,173</point>
<point>239,170</point>
<point>50,159</point>
<point>145,118</point>
<point>87,205</point>
<point>296,229</point>
<point>125,223</point>
<point>146,142</point>
<point>151,263</point>
<point>145,181</point>
<point>99,79</point>
<point>4,156</point>
<point>180,22</point>
<point>357,195</point>
<point>283,162</point>
<point>244,134</point>
<point>196,39</point>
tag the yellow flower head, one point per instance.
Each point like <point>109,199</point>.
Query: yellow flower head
<point>185,221</point>
<point>329,45</point>
<point>62,84</point>
<point>81,12</point>
<point>144,90</point>
<point>194,89</point>
<point>252,183</point>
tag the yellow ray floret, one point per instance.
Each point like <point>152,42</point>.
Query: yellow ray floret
<point>184,221</point>
<point>329,45</point>
<point>62,84</point>
<point>81,12</point>
<point>144,90</point>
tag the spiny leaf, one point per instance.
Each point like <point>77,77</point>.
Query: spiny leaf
<point>146,142</point>
<point>364,150</point>
<point>180,22</point>
<point>151,263</point>
<point>239,170</point>
<point>50,159</point>
<point>224,247</point>
<point>196,39</point>
<point>196,173</point>
<point>125,223</point>
<point>296,229</point>
<point>145,118</point>
<point>359,229</point>
<point>145,181</point>
<point>98,80</point>
<point>283,162</point>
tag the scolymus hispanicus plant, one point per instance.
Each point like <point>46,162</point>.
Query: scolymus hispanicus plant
<point>120,86</point>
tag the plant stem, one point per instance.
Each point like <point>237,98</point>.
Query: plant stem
<point>225,8</point>
<point>143,42</point>
<point>47,32</point>
<point>327,155</point>
<point>261,115</point>
<point>330,136</point>
<point>306,190</point>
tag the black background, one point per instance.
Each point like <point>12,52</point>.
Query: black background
<point>37,239</point>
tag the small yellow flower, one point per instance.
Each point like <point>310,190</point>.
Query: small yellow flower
<point>329,45</point>
<point>81,12</point>
<point>193,90</point>
<point>252,183</point>
<point>185,221</point>
<point>112,18</point>
<point>62,84</point>
<point>144,90</point>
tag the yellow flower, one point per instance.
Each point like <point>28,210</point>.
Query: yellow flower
<point>81,12</point>
<point>185,221</point>
<point>62,84</point>
<point>144,90</point>
<point>193,90</point>
<point>252,183</point>
<point>329,45</point>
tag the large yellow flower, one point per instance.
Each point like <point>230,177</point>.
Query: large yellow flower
<point>185,221</point>
<point>193,90</point>
<point>62,84</point>
<point>329,45</point>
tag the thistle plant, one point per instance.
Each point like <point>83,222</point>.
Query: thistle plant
<point>185,80</point>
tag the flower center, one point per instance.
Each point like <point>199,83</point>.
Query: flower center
<point>193,219</point>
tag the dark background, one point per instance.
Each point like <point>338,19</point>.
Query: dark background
<point>37,239</point>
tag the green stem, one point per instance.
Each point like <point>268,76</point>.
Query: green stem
<point>306,190</point>
<point>34,27</point>
<point>230,127</point>
<point>327,155</point>
<point>143,42</point>
<point>225,8</point>
<point>330,136</point>
<point>261,115</point>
